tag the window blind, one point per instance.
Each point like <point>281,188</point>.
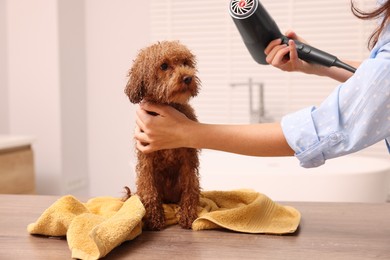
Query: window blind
<point>223,60</point>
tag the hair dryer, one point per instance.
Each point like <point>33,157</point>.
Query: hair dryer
<point>258,29</point>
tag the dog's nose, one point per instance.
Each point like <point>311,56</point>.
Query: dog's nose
<point>187,80</point>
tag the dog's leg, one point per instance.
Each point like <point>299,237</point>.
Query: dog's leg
<point>189,201</point>
<point>154,218</point>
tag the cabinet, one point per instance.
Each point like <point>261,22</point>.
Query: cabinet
<point>16,165</point>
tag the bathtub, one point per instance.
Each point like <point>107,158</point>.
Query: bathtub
<point>347,179</point>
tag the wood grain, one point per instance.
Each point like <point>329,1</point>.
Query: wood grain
<point>327,231</point>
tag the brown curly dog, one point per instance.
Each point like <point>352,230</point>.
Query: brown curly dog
<point>165,73</point>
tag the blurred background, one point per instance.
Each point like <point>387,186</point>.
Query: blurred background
<point>64,64</point>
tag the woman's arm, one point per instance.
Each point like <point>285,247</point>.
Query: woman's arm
<point>176,130</point>
<point>336,73</point>
<point>255,140</point>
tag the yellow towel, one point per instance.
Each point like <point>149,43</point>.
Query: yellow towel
<point>92,229</point>
<point>245,211</point>
<point>95,228</point>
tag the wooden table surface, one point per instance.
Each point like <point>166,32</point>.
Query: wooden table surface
<point>327,231</point>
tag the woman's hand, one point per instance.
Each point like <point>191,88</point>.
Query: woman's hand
<point>166,130</point>
<point>285,57</point>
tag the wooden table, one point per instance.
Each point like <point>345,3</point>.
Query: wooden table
<point>327,231</point>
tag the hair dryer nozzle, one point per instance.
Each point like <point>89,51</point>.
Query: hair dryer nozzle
<point>242,9</point>
<point>256,26</point>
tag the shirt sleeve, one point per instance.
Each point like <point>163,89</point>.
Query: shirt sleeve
<point>354,116</point>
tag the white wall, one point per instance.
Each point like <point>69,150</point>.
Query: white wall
<point>33,84</point>
<point>4,128</point>
<point>65,72</point>
<point>73,95</point>
<point>116,30</point>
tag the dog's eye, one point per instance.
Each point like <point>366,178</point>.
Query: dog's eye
<point>164,66</point>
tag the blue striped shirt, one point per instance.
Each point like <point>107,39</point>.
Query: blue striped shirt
<point>354,116</point>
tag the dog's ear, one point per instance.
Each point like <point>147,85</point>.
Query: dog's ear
<point>135,88</point>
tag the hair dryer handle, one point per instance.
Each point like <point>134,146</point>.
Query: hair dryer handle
<point>311,54</point>
<point>314,55</point>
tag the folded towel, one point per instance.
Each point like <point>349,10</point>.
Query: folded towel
<point>94,228</point>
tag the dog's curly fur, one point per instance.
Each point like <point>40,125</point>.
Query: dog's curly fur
<point>165,73</point>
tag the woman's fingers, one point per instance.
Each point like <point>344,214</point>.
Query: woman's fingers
<point>159,127</point>
<point>139,135</point>
<point>292,35</point>
<point>271,45</point>
<point>141,118</point>
<point>153,108</point>
<point>293,51</point>
<point>142,141</point>
<point>280,57</point>
<point>144,148</point>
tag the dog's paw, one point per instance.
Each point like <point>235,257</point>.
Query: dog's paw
<point>154,219</point>
<point>153,225</point>
<point>186,219</point>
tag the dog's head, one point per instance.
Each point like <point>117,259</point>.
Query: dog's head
<point>163,73</point>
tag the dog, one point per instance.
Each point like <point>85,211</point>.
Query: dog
<point>165,73</point>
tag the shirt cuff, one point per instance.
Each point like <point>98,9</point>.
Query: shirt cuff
<point>300,133</point>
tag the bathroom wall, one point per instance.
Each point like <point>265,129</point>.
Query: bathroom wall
<point>33,84</point>
<point>46,81</point>
<point>4,122</point>
<point>72,63</point>
<point>65,75</point>
<point>116,30</point>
